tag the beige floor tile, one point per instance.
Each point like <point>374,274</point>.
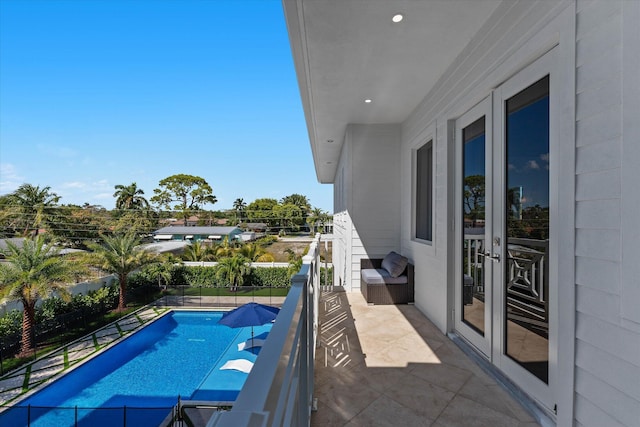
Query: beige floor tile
<point>424,398</point>
<point>326,416</point>
<point>464,412</point>
<point>446,376</point>
<point>384,412</point>
<point>389,365</point>
<point>347,400</point>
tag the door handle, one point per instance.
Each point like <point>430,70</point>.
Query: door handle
<point>494,257</point>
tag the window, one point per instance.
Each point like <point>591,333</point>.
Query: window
<point>424,192</point>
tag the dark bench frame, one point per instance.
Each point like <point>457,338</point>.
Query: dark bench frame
<point>385,293</point>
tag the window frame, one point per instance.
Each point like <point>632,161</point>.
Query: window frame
<point>428,216</point>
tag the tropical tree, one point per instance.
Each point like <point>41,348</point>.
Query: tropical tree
<point>163,269</point>
<point>299,200</point>
<point>261,210</point>
<point>76,226</point>
<point>233,270</point>
<point>197,251</point>
<point>474,192</point>
<point>184,193</point>
<point>239,205</point>
<point>130,197</point>
<point>120,254</point>
<point>225,249</point>
<point>32,207</point>
<point>316,219</point>
<point>31,272</point>
<point>138,222</point>
<point>290,216</point>
<point>295,260</point>
<point>252,251</point>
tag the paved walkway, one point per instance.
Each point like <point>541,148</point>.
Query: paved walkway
<point>389,365</point>
<point>30,376</point>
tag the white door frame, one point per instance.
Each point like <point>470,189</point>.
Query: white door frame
<point>492,345</point>
<point>482,343</point>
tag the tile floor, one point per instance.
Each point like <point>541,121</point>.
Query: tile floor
<point>389,365</point>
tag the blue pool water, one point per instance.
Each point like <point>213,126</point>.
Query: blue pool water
<point>179,354</point>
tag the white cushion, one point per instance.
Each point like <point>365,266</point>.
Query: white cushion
<point>242,365</point>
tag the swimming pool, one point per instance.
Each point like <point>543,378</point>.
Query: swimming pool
<point>177,355</point>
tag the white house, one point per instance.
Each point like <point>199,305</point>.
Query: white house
<point>496,140</point>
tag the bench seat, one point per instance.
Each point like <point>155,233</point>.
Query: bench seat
<point>378,287</point>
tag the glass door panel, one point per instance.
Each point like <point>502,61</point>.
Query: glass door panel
<point>526,195</point>
<point>473,193</point>
<point>473,219</point>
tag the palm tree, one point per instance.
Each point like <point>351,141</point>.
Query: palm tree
<point>225,249</point>
<point>32,272</point>
<point>130,197</point>
<point>120,254</point>
<point>252,251</point>
<point>35,206</point>
<point>295,260</point>
<point>233,270</point>
<point>196,251</point>
<point>239,205</point>
<point>163,269</point>
<point>315,219</point>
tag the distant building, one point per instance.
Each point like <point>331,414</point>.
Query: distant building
<point>258,227</point>
<point>194,233</point>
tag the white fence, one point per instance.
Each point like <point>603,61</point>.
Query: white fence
<point>78,288</point>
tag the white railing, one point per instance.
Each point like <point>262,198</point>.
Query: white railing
<point>474,256</point>
<point>279,389</point>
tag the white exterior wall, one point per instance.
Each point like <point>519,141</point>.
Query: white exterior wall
<point>607,365</point>
<point>601,353</point>
<point>598,188</point>
<point>366,223</point>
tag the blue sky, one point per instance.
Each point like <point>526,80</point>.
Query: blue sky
<point>95,93</point>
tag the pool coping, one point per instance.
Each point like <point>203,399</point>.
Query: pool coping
<point>17,385</point>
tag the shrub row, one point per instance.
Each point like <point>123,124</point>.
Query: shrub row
<point>54,310</point>
<point>208,277</point>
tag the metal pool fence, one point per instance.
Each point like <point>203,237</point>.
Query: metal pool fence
<point>90,417</point>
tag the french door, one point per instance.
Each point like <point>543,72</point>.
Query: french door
<point>506,212</point>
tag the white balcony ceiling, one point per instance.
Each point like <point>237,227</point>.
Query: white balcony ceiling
<point>346,51</point>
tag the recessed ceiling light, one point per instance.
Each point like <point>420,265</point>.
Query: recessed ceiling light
<point>368,101</point>
<point>329,163</point>
<point>397,18</point>
<point>330,141</point>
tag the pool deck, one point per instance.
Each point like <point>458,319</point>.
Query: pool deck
<point>29,377</point>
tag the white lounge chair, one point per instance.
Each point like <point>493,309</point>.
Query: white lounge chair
<point>242,365</point>
<point>251,343</point>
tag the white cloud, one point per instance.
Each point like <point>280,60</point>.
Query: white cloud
<point>512,166</point>
<point>545,157</point>
<point>10,179</point>
<point>532,164</point>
